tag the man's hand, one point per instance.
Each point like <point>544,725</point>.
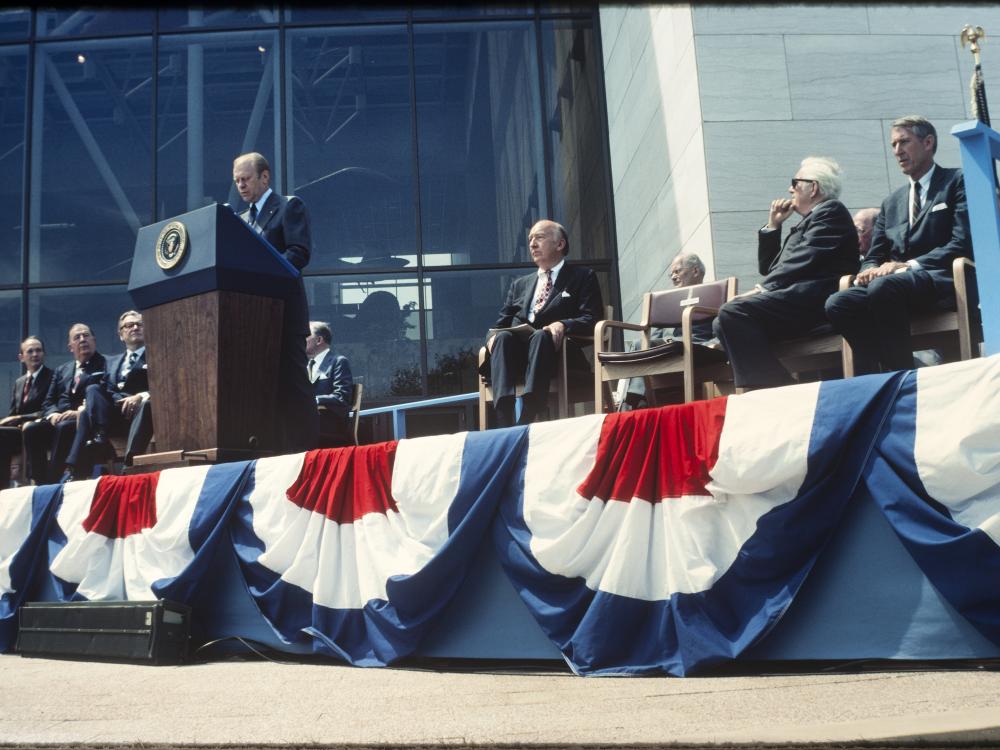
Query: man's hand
<point>129,405</point>
<point>781,209</point>
<point>62,416</point>
<point>870,274</point>
<point>557,331</point>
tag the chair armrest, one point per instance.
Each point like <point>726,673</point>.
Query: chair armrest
<point>601,331</point>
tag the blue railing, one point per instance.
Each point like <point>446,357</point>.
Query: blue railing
<point>398,411</point>
<point>980,145</point>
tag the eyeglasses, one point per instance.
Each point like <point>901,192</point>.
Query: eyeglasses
<point>128,325</point>
<point>797,180</point>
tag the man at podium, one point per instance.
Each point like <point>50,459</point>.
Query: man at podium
<point>284,222</point>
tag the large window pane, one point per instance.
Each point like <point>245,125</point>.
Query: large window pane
<point>92,22</point>
<point>345,14</point>
<point>10,339</point>
<point>480,141</point>
<point>13,75</point>
<point>208,17</point>
<point>469,11</point>
<point>576,139</point>
<point>15,25</point>
<point>52,311</point>
<point>375,324</point>
<point>351,145</point>
<point>216,101</point>
<point>91,158</point>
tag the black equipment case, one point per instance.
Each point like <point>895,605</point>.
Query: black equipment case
<point>152,632</point>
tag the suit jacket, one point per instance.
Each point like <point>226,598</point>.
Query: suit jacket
<point>816,253</point>
<point>62,396</point>
<point>31,408</point>
<point>939,234</point>
<point>575,301</point>
<point>135,382</point>
<point>334,383</point>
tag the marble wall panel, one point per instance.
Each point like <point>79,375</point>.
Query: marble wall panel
<point>640,107</point>
<point>618,72</point>
<point>780,19</point>
<point>680,100</point>
<point>638,23</point>
<point>734,241</point>
<point>902,19</point>
<point>642,181</point>
<point>612,17</point>
<point>854,77</point>
<point>743,77</point>
<point>751,163</point>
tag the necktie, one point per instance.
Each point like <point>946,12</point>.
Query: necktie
<point>76,378</point>
<point>127,366</point>
<point>915,208</point>
<point>253,213</point>
<point>543,293</point>
<point>312,363</point>
<point>27,387</point>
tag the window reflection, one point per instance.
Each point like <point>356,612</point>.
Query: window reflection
<point>480,141</point>
<point>573,119</point>
<point>15,25</point>
<point>52,311</point>
<point>209,17</point>
<point>91,158</point>
<point>10,340</point>
<point>13,74</point>
<point>375,324</point>
<point>351,145</point>
<point>216,101</point>
<point>93,22</point>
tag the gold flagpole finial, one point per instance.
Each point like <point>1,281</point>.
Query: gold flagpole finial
<point>971,36</point>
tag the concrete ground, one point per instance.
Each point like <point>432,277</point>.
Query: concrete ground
<point>257,703</point>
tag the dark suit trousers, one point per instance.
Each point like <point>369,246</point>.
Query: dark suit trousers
<point>40,437</point>
<point>104,415</point>
<point>746,327</point>
<point>875,319</point>
<point>512,361</point>
<point>10,444</point>
<point>297,418</point>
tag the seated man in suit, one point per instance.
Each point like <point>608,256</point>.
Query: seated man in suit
<point>686,269</point>
<point>920,230</point>
<point>864,223</point>
<point>25,402</point>
<point>330,375</point>
<point>800,274</point>
<point>117,405</point>
<point>284,222</point>
<point>557,300</point>
<point>62,406</point>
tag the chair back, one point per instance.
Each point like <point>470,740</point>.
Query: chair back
<point>356,391</point>
<point>666,308</point>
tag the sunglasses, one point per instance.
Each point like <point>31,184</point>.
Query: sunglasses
<point>797,180</point>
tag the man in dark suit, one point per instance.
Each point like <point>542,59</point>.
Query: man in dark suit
<point>284,222</point>
<point>331,377</point>
<point>920,230</point>
<point>800,275</point>
<point>25,402</point>
<point>61,408</point>
<point>117,405</point>
<point>558,300</point>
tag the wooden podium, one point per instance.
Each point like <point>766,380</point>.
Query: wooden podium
<point>211,293</point>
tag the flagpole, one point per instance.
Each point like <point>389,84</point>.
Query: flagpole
<point>970,36</point>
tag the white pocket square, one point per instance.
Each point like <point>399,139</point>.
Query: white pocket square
<point>565,294</point>
<point>939,207</point>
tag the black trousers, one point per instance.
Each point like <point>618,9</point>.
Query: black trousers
<point>746,327</point>
<point>104,415</point>
<point>42,438</point>
<point>297,420</point>
<point>875,319</point>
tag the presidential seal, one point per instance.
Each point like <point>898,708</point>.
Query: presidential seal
<point>171,245</point>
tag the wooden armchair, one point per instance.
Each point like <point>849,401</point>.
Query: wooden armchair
<point>956,333</point>
<point>354,414</point>
<point>683,364</point>
<point>821,349</point>
<point>563,386</point>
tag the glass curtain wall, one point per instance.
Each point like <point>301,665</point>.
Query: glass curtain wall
<point>424,142</point>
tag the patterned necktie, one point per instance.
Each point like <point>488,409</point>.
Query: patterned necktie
<point>27,387</point>
<point>915,208</point>
<point>543,293</point>
<point>76,378</point>
<point>129,364</point>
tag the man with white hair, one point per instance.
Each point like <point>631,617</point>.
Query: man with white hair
<point>799,275</point>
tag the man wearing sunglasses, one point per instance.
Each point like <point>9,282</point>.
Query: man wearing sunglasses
<point>799,275</point>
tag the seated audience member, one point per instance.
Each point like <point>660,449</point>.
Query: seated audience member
<point>62,405</point>
<point>557,300</point>
<point>800,274</point>
<point>25,402</point>
<point>686,269</point>
<point>118,405</point>
<point>864,223</point>
<point>331,377</point>
<point>920,230</point>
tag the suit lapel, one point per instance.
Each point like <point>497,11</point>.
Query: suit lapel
<point>270,209</point>
<point>557,288</point>
<point>937,182</point>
